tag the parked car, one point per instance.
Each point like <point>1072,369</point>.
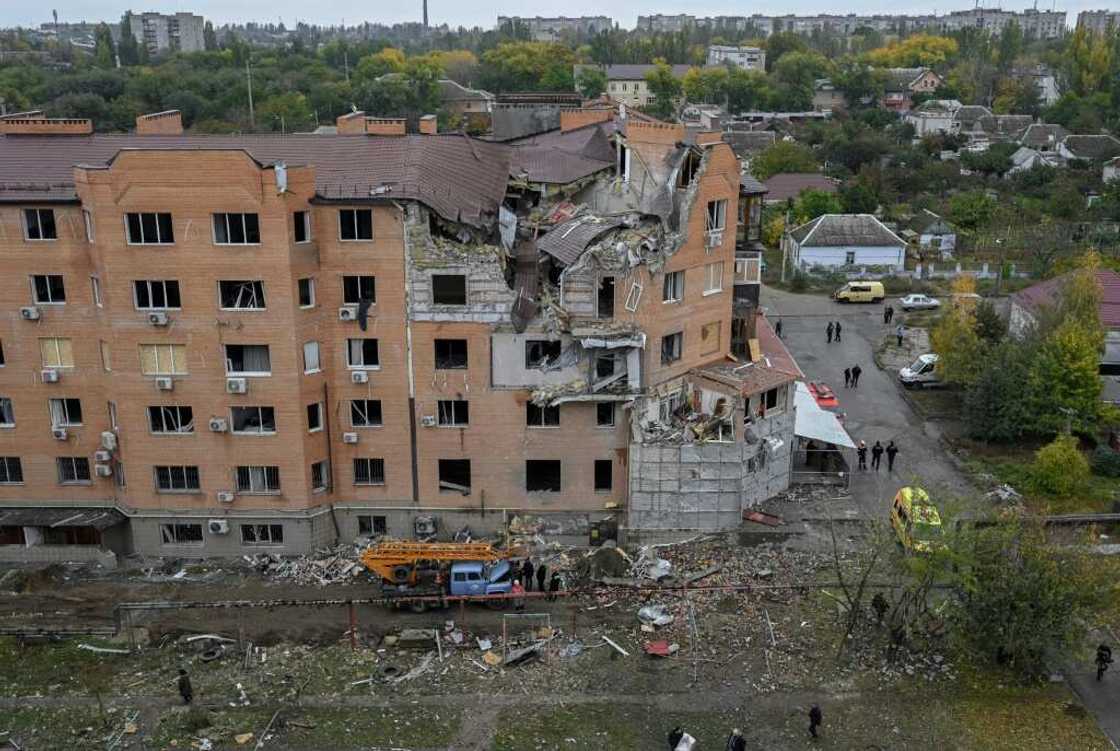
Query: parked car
<point>919,302</point>
<point>922,373</point>
<point>824,395</point>
<point>860,292</point>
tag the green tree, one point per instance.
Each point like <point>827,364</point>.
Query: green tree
<point>813,203</point>
<point>857,198</point>
<point>1064,380</point>
<point>783,156</point>
<point>1060,469</point>
<point>1087,61</point>
<point>780,43</point>
<point>989,326</point>
<point>708,85</point>
<point>388,60</point>
<point>209,38</point>
<point>857,81</point>
<point>801,69</point>
<point>591,82</point>
<point>527,66</point>
<point>664,87</point>
<point>105,51</point>
<point>1010,45</point>
<point>971,210</point>
<point>747,90</point>
<point>959,347</point>
<point>286,112</point>
<point>998,404</point>
<point>128,49</point>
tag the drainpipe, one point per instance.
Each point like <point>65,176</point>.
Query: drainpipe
<point>408,355</point>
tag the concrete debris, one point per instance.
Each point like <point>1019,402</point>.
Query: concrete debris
<point>327,566</point>
<point>242,738</point>
<point>419,670</point>
<point>574,648</point>
<point>655,615</point>
<point>1005,494</point>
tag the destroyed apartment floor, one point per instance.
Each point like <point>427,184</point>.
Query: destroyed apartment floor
<point>389,691</point>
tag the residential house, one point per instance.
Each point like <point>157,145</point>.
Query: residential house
<point>932,233</point>
<point>627,83</point>
<point>826,97</point>
<point>1089,148</point>
<point>749,143</point>
<point>1043,136</point>
<point>933,117</point>
<point>462,100</point>
<point>1026,158</point>
<point>837,241</point>
<point>788,185</point>
<point>903,83</point>
<point>747,58</point>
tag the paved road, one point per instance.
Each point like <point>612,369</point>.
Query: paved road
<point>1101,699</point>
<point>874,411</point>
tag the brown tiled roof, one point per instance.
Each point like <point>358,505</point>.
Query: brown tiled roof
<point>776,366</point>
<point>567,242</point>
<point>461,178</point>
<point>790,184</point>
<point>563,157</point>
<point>1045,294</point>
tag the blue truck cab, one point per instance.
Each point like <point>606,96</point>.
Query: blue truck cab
<point>477,578</point>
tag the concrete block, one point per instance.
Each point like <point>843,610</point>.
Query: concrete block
<point>690,454</point>
<point>710,471</point>
<point>690,485</point>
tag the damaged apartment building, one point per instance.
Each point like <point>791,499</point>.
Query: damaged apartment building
<point>212,345</point>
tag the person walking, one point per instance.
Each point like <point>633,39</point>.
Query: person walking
<point>736,742</point>
<point>542,572</point>
<point>838,327</point>
<point>876,455</point>
<point>553,585</point>
<point>892,452</point>
<point>847,377</point>
<point>185,689</point>
<point>778,328</point>
<point>1104,659</point>
<point>888,314</point>
<point>527,573</point>
<point>675,736</point>
<point>855,376</point>
<point>861,453</point>
<point>828,331</point>
<point>815,719</point>
<point>899,332</point>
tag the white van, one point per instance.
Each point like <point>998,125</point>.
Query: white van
<point>922,373</point>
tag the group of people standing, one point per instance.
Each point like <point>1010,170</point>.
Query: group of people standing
<point>877,452</point>
<point>523,576</point>
<point>679,740</point>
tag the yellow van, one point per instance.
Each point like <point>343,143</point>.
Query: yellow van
<point>916,521</point>
<point>860,292</point>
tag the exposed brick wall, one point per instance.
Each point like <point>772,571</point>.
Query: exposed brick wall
<point>385,126</point>
<point>351,124</point>
<point>572,119</point>
<point>168,123</point>
<point>661,133</point>
<point>429,125</point>
<point>43,126</point>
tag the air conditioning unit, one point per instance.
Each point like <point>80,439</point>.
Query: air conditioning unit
<point>49,376</point>
<point>349,437</point>
<point>428,421</point>
<point>102,470</point>
<point>218,526</point>
<point>59,434</point>
<point>225,496</point>
<point>102,456</point>
<point>348,313</point>
<point>165,383</point>
<point>715,238</point>
<point>30,313</point>
<point>237,386</point>
<point>359,376</point>
<point>109,440</point>
<point>158,319</point>
<point>217,425</point>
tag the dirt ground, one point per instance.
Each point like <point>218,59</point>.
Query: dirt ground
<point>755,657</point>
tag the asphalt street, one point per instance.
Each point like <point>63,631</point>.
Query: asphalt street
<point>876,410</point>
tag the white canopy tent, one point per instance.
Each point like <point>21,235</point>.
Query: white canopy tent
<point>824,448</point>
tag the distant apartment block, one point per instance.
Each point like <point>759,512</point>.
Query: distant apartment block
<point>1098,21</point>
<point>747,58</point>
<point>553,29</point>
<point>159,32</point>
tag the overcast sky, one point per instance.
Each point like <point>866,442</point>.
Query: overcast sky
<point>455,13</point>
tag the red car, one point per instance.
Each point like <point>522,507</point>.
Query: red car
<point>823,394</point>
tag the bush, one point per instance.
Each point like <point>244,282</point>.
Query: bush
<point>1060,469</point>
<point>1105,462</point>
<point>897,285</point>
<point>799,282</point>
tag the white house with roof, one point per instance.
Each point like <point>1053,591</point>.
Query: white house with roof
<point>835,241</point>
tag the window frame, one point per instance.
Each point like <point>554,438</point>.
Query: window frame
<point>26,213</point>
<point>56,342</point>
<point>469,485</point>
<point>65,403</point>
<point>369,462</point>
<point>678,338</point>
<point>305,224</point>
<point>318,358</point>
<point>672,287</point>
<point>358,280</point>
<point>246,373</point>
<point>543,413</point>
<point>559,465</point>
<point>226,219</point>
<point>545,345</point>
<point>317,408</point>
<point>366,408</point>
<point>260,408</point>
<point>704,336</point>
<point>149,285</point>
<point>11,411</point>
<point>174,533</point>
<point>164,410</point>
<point>634,294</point>
<point>95,290</point>
<point>450,409</point>
<point>609,487</point>
<point>350,352</point>
<point>255,283</point>
<point>598,416</point>
<point>188,471</point>
<point>450,357</point>
<point>466,290</point>
<point>310,280</point>
<point>270,531</point>
<point>6,465</point>
<point>78,465</point>
<point>368,524</point>
<point>267,472</point>
<point>170,351</point>
<point>355,226</point>
<point>716,221</point>
<point>708,269</point>
<point>50,293</point>
<point>87,220</point>
<point>322,467</point>
<point>158,240</point>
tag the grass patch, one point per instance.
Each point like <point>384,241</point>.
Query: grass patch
<point>1012,465</point>
<point>72,727</point>
<point>59,668</point>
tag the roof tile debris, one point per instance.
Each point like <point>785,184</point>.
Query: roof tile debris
<point>563,157</point>
<point>567,242</point>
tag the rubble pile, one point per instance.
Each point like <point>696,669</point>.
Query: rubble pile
<point>327,566</point>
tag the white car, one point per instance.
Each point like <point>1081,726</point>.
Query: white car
<point>922,373</point>
<point>919,302</point>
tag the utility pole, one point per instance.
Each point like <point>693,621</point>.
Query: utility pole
<point>249,76</point>
<point>425,14</point>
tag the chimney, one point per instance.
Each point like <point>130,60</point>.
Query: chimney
<point>429,126</point>
<point>386,126</point>
<point>571,119</point>
<point>351,124</point>
<point>42,126</point>
<point>169,123</point>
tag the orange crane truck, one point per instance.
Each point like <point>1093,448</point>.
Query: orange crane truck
<point>409,569</point>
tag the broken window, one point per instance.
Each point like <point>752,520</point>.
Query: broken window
<point>725,432</point>
<point>455,476</point>
<point>358,288</point>
<point>262,534</point>
<point>248,359</point>
<point>237,229</point>
<point>689,167</point>
<point>454,413</point>
<point>747,271</point>
<point>156,294</point>
<point>604,414</point>
<point>307,293</point>
<point>48,289</point>
<point>717,215</point>
<point>311,362</point>
<point>713,278</point>
<point>449,289</point>
<point>372,525</point>
<point>542,475</point>
<point>39,224</point>
<point>11,470</point>
<point>237,294</point>
<point>73,469</point>
<point>362,353</point>
<point>668,406</point>
<point>320,476</point>
<point>542,417</point>
<point>355,224</point>
<point>170,419</point>
<point>671,346</point>
<point>253,420</point>
<point>258,479</point>
<point>181,534</point>
<point>314,417</point>
<point>1,354</point>
<point>633,297</point>
<point>604,475</point>
<point>604,366</point>
<point>7,414</point>
<point>301,221</point>
<point>540,352</point>
<point>65,413</point>
<point>369,471</point>
<point>177,479</point>
<point>773,401</point>
<point>451,354</point>
<point>673,289</point>
<point>149,229</point>
<point>605,307</point>
<point>365,413</point>
<point>56,352</point>
<point>95,290</point>
<point>709,338</point>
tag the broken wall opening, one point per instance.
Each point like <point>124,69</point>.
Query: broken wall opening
<point>455,476</point>
<point>542,475</point>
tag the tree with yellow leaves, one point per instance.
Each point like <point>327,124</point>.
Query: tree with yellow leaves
<point>960,349</point>
<point>1087,60</point>
<point>918,50</point>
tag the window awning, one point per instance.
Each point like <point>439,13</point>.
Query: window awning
<point>816,423</point>
<point>98,518</point>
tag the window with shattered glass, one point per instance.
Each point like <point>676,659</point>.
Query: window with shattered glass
<point>238,294</point>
